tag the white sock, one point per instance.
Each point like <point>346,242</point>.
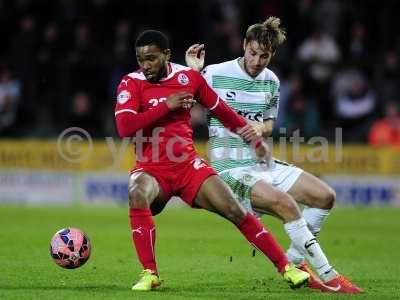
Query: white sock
<point>306,244</point>
<point>293,255</point>
<point>314,218</point>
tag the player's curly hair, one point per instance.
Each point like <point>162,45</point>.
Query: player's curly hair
<point>269,33</point>
<point>152,37</point>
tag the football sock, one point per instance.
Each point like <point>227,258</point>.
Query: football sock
<point>328,275</point>
<point>261,239</point>
<point>314,218</point>
<point>306,243</point>
<point>144,236</point>
<point>294,255</point>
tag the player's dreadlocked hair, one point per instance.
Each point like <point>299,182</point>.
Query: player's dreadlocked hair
<point>152,37</point>
<point>268,34</point>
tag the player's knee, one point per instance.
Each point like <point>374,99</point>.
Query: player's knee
<point>142,190</point>
<point>330,198</point>
<point>326,199</point>
<point>139,197</point>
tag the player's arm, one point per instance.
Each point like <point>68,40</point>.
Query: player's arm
<point>128,117</point>
<point>194,57</point>
<point>263,151</point>
<point>226,115</point>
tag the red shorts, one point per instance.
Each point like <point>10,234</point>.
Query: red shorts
<point>179,179</point>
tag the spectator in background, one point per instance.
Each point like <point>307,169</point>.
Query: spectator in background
<point>357,53</point>
<point>223,31</point>
<point>302,115</point>
<point>329,14</point>
<point>295,111</point>
<point>343,79</point>
<point>355,109</point>
<point>318,55</point>
<point>49,73</point>
<point>388,79</point>
<point>83,115</point>
<point>10,90</point>
<point>121,54</point>
<point>23,47</point>
<point>82,59</point>
<point>386,131</point>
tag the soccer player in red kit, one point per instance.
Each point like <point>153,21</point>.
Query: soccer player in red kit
<point>153,105</point>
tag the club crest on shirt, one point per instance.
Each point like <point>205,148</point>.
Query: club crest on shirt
<point>268,97</point>
<point>123,96</point>
<point>183,79</point>
<point>247,178</point>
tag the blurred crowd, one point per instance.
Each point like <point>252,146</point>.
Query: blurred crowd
<point>60,61</point>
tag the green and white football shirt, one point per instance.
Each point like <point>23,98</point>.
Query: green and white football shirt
<point>256,99</point>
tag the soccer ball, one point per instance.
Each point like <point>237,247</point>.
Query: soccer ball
<point>70,248</point>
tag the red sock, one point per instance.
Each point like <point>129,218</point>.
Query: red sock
<point>261,239</point>
<point>144,236</point>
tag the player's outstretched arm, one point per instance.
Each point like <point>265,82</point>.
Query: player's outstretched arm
<point>194,57</point>
<point>226,115</point>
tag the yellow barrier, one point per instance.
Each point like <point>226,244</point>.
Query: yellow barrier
<point>102,156</point>
<point>46,155</point>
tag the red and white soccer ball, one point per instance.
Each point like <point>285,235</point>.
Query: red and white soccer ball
<point>70,248</point>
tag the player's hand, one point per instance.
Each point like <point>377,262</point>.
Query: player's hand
<point>194,57</point>
<point>180,100</point>
<point>257,126</point>
<point>249,132</point>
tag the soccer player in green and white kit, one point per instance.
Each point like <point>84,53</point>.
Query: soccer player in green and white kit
<point>273,187</point>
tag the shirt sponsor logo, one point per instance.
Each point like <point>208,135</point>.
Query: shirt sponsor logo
<point>252,116</point>
<point>123,97</point>
<point>183,79</point>
<point>231,95</point>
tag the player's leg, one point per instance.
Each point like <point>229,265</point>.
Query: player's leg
<point>270,200</point>
<point>267,199</point>
<point>309,190</point>
<point>264,198</point>
<point>214,195</point>
<point>317,196</point>
<point>144,192</point>
<point>254,184</point>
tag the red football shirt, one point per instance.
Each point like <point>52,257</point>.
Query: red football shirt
<point>161,135</point>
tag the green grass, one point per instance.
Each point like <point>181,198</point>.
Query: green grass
<point>193,250</point>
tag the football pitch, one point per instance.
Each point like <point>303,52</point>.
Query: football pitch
<point>194,250</point>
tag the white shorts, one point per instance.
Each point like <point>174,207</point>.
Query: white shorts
<point>279,174</point>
